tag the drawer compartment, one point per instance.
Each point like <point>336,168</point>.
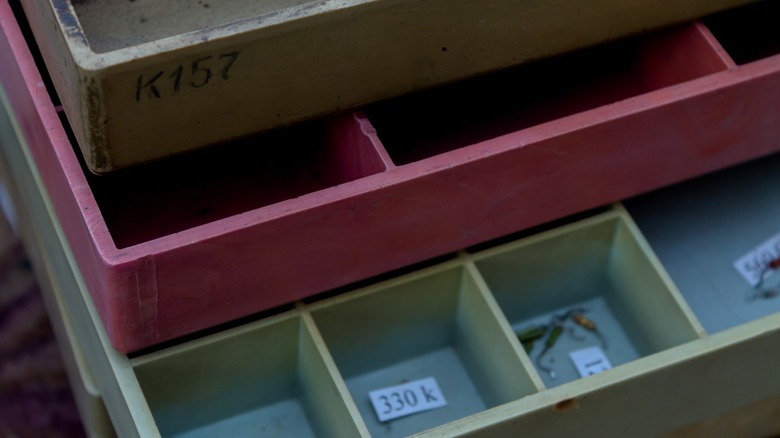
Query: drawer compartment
<point>599,268</point>
<point>170,196</point>
<point>436,323</point>
<point>430,123</point>
<point>266,379</point>
<point>701,228</point>
<point>748,33</point>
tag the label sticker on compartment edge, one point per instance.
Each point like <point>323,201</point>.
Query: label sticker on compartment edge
<point>406,399</point>
<point>590,361</point>
<point>755,264</point>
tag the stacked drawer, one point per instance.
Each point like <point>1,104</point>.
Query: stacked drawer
<point>142,80</point>
<point>164,248</point>
<point>307,371</point>
<point>149,256</point>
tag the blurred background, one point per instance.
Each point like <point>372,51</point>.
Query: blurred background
<point>35,396</point>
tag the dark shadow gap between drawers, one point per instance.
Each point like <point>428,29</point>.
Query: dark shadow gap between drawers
<point>444,119</point>
<point>749,33</point>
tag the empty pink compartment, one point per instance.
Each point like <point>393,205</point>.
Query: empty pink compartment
<point>203,239</point>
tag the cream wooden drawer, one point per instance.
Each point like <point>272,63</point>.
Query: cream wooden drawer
<point>142,80</point>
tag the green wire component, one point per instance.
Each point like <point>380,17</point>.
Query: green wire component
<point>553,338</point>
<point>555,333</point>
<point>528,336</point>
<point>531,333</point>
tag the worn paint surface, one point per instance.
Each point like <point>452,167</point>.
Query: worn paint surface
<point>298,59</point>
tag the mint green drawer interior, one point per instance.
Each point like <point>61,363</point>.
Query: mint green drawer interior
<point>601,268</point>
<point>309,372</point>
<point>265,379</point>
<point>434,323</point>
<point>701,227</point>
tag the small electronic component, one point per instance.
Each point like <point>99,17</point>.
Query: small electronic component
<point>555,333</point>
<point>759,292</point>
<point>528,336</point>
<point>772,265</point>
<point>581,320</point>
<point>763,294</point>
<point>555,329</point>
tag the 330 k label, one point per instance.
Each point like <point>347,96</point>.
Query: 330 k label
<point>405,399</point>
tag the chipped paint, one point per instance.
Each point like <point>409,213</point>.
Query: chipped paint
<point>68,20</point>
<point>94,113</point>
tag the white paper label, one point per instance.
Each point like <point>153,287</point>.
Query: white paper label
<point>590,361</point>
<point>405,399</point>
<point>752,264</point>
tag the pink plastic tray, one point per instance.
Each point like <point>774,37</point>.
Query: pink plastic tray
<point>206,238</point>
